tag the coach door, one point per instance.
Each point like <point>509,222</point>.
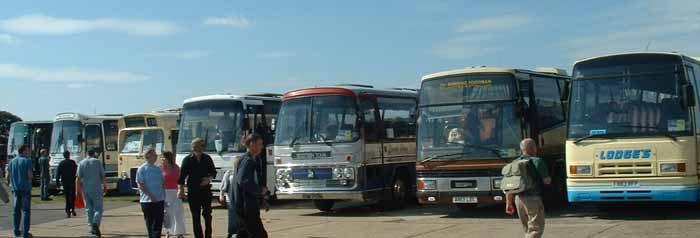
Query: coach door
<point>372,143</point>
<point>398,133</point>
<point>94,140</point>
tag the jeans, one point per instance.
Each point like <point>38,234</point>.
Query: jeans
<point>232,220</point>
<point>153,214</point>
<point>22,207</point>
<point>93,208</point>
<point>70,198</point>
<point>200,206</point>
<point>45,186</point>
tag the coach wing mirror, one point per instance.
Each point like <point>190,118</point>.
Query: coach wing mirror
<point>219,145</point>
<point>521,109</point>
<point>688,96</point>
<point>565,93</point>
<point>80,138</point>
<point>273,124</point>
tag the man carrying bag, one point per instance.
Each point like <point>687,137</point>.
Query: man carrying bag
<point>523,181</point>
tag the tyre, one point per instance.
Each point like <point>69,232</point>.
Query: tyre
<point>399,192</point>
<point>324,205</point>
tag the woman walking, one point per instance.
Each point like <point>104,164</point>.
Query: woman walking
<point>173,205</point>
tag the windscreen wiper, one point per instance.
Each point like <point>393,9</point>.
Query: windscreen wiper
<point>665,134</point>
<point>294,141</point>
<point>325,140</point>
<point>441,156</point>
<point>672,137</point>
<point>605,136</point>
<point>495,151</point>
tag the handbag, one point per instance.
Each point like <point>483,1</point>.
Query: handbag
<point>79,201</point>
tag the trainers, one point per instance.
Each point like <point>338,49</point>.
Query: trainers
<point>74,213</point>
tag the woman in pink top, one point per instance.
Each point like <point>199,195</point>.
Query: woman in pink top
<point>174,220</point>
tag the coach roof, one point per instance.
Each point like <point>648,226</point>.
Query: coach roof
<point>352,90</point>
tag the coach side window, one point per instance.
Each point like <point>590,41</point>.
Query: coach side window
<point>395,114</point>
<point>368,110</point>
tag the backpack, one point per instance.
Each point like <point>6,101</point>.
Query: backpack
<point>519,176</point>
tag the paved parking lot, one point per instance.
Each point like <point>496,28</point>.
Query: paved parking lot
<point>299,219</point>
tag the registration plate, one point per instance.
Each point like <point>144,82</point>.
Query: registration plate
<point>311,155</point>
<point>625,184</point>
<point>469,199</point>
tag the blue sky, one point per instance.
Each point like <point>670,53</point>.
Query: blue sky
<point>135,56</point>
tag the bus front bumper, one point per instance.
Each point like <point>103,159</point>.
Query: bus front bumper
<point>359,196</point>
<point>643,192</point>
<point>460,197</point>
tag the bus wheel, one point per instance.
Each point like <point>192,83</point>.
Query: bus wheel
<point>399,191</point>
<point>324,205</point>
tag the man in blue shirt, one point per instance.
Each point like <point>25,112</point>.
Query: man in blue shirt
<point>92,182</point>
<point>150,180</point>
<point>20,176</point>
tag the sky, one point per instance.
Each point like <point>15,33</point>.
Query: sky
<point>138,56</point>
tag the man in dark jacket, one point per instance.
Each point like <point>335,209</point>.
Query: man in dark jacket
<point>248,190</point>
<point>65,175</point>
<point>198,171</point>
<point>44,172</point>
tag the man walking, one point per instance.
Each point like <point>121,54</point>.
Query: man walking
<point>248,190</point>
<point>529,204</point>
<point>198,171</point>
<point>149,178</point>
<point>44,172</point>
<point>65,175</point>
<point>20,177</point>
<point>92,182</point>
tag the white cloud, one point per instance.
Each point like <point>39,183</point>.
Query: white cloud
<point>232,21</point>
<point>77,85</point>
<point>463,47</point>
<point>192,54</point>
<point>490,24</point>
<point>475,37</point>
<point>663,25</point>
<point>275,55</point>
<point>182,55</point>
<point>7,39</point>
<point>13,71</point>
<point>48,25</point>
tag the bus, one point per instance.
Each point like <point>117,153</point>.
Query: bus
<point>79,133</point>
<point>35,134</point>
<point>222,120</point>
<point>633,129</point>
<point>346,142</point>
<point>470,124</point>
<point>157,130</point>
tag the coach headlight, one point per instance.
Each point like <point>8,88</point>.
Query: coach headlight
<point>337,173</point>
<point>672,167</point>
<point>580,170</point>
<point>497,183</point>
<point>349,173</point>
<point>427,184</point>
